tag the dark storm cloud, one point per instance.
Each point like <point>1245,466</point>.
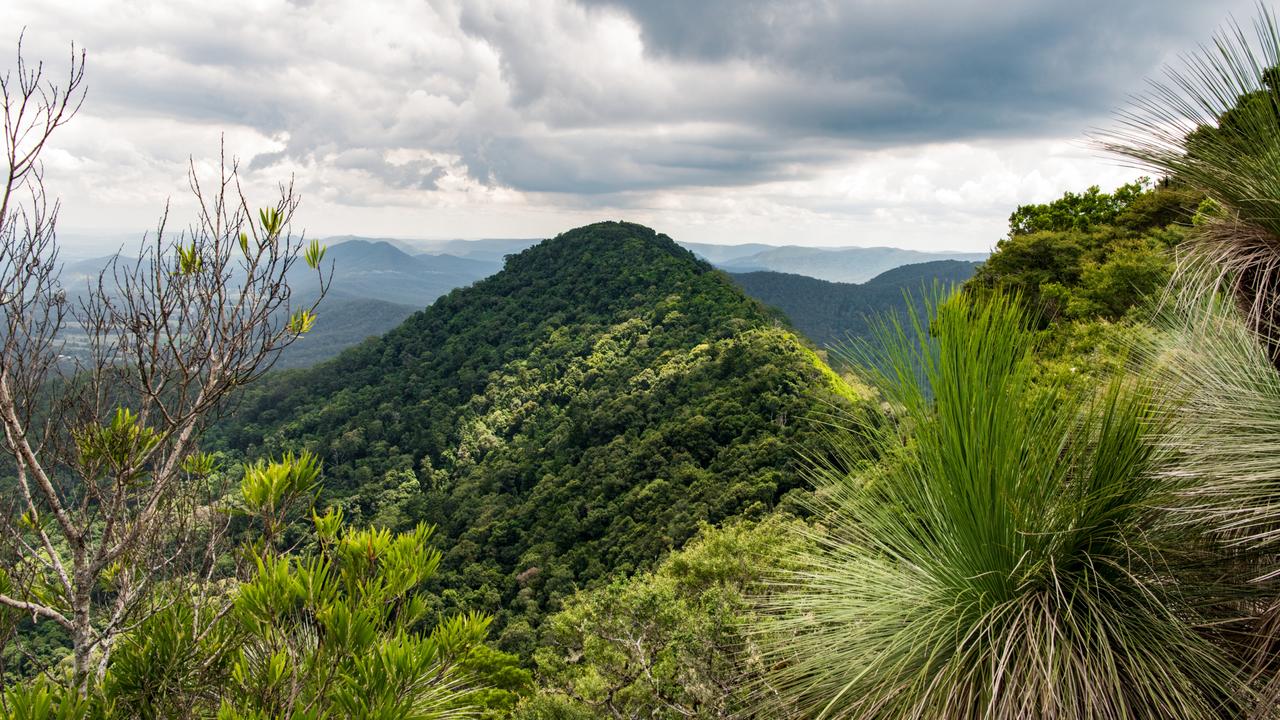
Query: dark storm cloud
<point>950,70</point>
<point>604,163</point>
<point>556,97</point>
<point>855,74</point>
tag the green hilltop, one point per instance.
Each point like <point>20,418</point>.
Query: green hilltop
<point>577,415</point>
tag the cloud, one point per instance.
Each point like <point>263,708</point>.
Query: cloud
<point>544,111</point>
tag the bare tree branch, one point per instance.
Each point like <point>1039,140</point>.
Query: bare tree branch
<point>100,433</point>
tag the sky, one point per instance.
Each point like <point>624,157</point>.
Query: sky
<point>808,122</point>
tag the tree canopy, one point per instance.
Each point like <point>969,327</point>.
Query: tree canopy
<point>577,415</point>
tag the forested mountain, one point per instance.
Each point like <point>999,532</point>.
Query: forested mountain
<point>347,321</point>
<point>846,265</point>
<point>378,270</point>
<point>830,313</point>
<point>483,249</point>
<point>576,415</point>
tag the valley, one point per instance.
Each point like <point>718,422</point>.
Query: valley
<point>815,453</point>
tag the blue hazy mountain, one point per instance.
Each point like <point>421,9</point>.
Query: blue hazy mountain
<point>830,313</point>
<point>843,265</point>
<point>378,270</point>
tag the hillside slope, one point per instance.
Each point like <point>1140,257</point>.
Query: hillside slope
<point>576,415</point>
<point>844,265</point>
<point>346,321</point>
<point>832,313</point>
<point>378,270</point>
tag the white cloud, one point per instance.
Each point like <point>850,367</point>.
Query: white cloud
<point>527,117</point>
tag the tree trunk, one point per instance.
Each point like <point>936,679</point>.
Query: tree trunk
<point>82,633</point>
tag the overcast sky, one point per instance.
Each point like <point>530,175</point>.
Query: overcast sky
<point>816,122</point>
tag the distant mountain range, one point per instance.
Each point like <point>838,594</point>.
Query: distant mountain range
<point>364,269</point>
<point>832,314</point>
<point>489,249</point>
<point>378,270</point>
<point>379,282</point>
<point>843,265</point>
<point>376,286</point>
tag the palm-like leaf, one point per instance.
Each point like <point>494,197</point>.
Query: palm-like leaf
<point>1009,558</point>
<point>1222,397</point>
<point>1214,124</point>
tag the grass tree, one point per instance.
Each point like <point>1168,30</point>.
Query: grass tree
<point>104,482</point>
<point>1002,551</point>
<point>1221,398</point>
<point>1213,124</point>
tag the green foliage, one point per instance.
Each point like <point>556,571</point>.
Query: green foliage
<point>1081,212</point>
<point>1011,557</point>
<point>675,642</point>
<point>42,699</point>
<point>831,313</point>
<point>1089,353</point>
<point>503,681</point>
<point>30,647</point>
<point>275,491</point>
<point>1093,290</point>
<point>172,665</point>
<point>189,260</point>
<point>333,634</point>
<point>118,447</point>
<point>339,631</point>
<point>301,322</point>
<point>1094,265</point>
<point>314,254</point>
<point>579,414</point>
<point>272,222</point>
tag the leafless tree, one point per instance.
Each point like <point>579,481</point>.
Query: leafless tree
<point>111,503</point>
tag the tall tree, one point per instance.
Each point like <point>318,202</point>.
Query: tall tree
<point>103,439</point>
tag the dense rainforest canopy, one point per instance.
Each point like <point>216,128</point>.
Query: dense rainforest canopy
<point>577,415</point>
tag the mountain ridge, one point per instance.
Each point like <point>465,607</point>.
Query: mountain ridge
<point>844,265</point>
<point>833,314</point>
<point>578,414</point>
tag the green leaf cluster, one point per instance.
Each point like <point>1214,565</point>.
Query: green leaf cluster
<point>345,629</point>
<point>1099,261</point>
<point>334,634</point>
